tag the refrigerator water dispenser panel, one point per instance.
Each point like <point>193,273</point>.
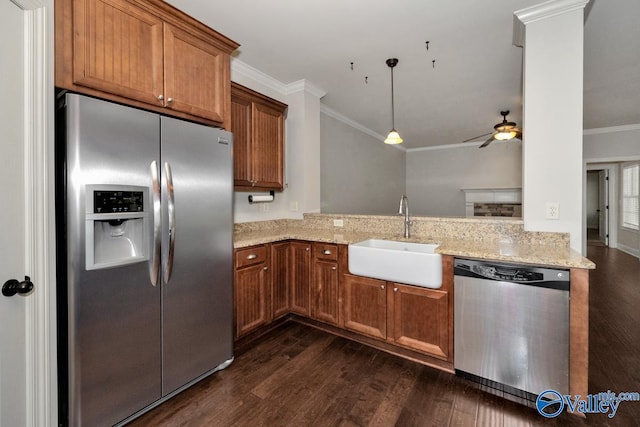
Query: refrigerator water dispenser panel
<point>117,225</point>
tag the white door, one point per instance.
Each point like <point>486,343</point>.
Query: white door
<point>603,206</point>
<point>13,372</point>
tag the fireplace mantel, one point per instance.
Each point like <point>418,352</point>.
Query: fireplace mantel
<point>490,196</point>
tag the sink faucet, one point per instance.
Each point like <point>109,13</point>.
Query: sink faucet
<point>404,210</point>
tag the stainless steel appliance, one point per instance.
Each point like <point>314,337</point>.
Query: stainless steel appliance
<point>144,225</point>
<point>511,326</point>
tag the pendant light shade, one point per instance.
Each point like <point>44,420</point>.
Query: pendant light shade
<point>393,137</point>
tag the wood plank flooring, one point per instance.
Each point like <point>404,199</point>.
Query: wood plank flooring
<point>300,376</point>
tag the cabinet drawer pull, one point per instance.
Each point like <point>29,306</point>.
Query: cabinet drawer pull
<point>326,252</point>
<point>265,268</point>
<point>252,256</point>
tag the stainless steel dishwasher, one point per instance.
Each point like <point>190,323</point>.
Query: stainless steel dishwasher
<point>511,329</point>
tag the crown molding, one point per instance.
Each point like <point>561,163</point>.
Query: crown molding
<point>246,70</point>
<point>305,85</point>
<point>344,119</point>
<point>541,11</point>
<point>612,129</point>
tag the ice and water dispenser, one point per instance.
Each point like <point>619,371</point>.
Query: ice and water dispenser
<point>117,225</point>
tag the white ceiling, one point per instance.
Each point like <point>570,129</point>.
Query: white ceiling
<point>477,72</point>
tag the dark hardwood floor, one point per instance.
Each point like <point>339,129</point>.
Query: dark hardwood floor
<point>300,376</point>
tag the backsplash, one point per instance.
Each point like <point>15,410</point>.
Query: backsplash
<point>480,229</point>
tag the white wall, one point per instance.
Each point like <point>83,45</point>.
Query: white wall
<point>435,177</point>
<point>553,90</point>
<point>359,173</point>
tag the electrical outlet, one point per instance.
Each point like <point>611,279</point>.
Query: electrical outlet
<point>553,210</point>
<point>338,223</point>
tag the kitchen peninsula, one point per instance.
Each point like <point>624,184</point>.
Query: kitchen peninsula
<point>306,260</point>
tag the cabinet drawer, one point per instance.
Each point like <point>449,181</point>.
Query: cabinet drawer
<point>250,256</point>
<point>325,251</point>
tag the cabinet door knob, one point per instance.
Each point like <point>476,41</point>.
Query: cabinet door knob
<point>395,289</point>
<point>306,249</point>
<point>169,100</point>
<point>161,97</point>
<point>266,268</point>
<point>334,268</point>
<point>381,286</point>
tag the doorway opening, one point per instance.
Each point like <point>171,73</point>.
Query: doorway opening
<point>598,207</point>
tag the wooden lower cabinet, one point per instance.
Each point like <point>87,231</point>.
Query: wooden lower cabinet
<point>409,316</point>
<point>279,279</point>
<point>251,280</point>
<point>420,319</point>
<point>300,278</point>
<point>325,291</point>
<point>365,306</point>
<point>311,280</point>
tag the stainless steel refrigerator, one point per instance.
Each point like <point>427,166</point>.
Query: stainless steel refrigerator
<point>144,233</point>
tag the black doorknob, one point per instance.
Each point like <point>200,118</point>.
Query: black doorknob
<point>12,287</point>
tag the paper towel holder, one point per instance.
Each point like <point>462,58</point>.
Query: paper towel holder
<point>262,199</point>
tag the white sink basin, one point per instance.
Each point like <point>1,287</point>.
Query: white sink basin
<point>402,262</point>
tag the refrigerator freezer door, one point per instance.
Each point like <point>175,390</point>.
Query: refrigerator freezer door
<point>113,313</point>
<point>197,299</point>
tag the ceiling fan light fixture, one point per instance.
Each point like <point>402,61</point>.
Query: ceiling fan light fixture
<point>505,135</point>
<point>393,138</point>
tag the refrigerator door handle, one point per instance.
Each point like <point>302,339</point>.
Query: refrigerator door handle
<point>154,264</point>
<point>171,209</point>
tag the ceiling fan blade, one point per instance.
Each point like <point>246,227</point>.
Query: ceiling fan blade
<point>487,142</point>
<point>476,137</point>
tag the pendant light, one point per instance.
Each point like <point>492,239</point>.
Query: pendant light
<point>393,137</point>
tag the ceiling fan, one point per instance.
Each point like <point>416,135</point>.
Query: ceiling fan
<point>504,131</point>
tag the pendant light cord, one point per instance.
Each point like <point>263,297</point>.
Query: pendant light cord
<point>393,109</point>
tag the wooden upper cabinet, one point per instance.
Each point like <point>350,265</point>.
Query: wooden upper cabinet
<point>195,72</point>
<point>146,54</point>
<point>117,48</point>
<point>257,123</point>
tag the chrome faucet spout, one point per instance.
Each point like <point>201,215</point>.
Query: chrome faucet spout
<point>404,210</point>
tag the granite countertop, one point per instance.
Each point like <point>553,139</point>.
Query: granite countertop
<point>497,250</point>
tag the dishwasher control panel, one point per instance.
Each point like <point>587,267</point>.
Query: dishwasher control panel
<point>510,272</point>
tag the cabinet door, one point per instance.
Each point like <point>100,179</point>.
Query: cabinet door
<point>279,279</point>
<point>420,319</point>
<point>241,128</point>
<point>196,75</point>
<point>300,278</point>
<point>365,306</point>
<point>267,147</point>
<point>250,298</point>
<point>117,48</point>
<point>325,291</point>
